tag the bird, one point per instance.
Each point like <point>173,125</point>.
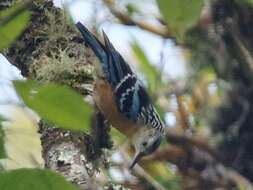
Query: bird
<point>122,99</point>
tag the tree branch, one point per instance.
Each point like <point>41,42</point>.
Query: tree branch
<point>179,139</point>
<point>127,20</point>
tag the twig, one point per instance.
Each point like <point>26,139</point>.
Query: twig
<point>241,181</point>
<point>139,171</point>
<point>235,34</point>
<point>236,125</point>
<point>180,139</point>
<point>187,143</point>
<point>180,155</point>
<point>246,53</point>
<point>125,19</point>
<point>182,113</point>
<point>172,154</point>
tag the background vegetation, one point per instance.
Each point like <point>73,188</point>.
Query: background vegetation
<point>68,145</point>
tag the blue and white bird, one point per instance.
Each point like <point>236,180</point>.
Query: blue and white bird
<point>122,99</point>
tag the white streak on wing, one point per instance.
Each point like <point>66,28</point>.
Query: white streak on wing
<point>123,80</point>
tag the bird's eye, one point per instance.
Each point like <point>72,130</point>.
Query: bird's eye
<point>144,143</point>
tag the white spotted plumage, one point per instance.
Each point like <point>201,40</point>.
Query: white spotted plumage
<point>123,80</point>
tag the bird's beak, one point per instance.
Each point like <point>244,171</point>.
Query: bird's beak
<point>137,157</point>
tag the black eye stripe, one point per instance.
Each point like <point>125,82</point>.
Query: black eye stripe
<point>154,146</point>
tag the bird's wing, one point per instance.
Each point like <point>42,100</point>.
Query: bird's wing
<point>132,98</point>
<point>134,102</point>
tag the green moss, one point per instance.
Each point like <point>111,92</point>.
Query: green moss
<point>62,68</point>
<point>52,50</point>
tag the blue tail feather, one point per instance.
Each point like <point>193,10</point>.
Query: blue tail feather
<point>118,67</point>
<point>112,63</point>
<point>97,47</point>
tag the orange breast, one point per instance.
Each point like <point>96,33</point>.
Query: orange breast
<point>105,101</point>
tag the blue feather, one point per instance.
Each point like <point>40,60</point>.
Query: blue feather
<point>93,43</point>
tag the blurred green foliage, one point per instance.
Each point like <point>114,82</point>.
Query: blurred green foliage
<point>180,15</point>
<point>150,72</point>
<point>249,1</point>
<point>57,104</point>
<point>12,23</point>
<point>173,183</point>
<point>24,179</point>
<point>131,9</point>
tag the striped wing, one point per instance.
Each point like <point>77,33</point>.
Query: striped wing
<point>132,98</point>
<point>134,102</point>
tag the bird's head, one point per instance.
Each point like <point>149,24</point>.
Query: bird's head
<point>145,141</point>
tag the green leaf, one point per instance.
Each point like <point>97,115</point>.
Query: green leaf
<point>24,179</point>
<point>2,150</point>
<point>131,9</point>
<point>250,2</point>
<point>57,104</point>
<point>12,28</point>
<point>22,142</point>
<point>150,71</point>
<point>180,15</point>
<point>118,136</point>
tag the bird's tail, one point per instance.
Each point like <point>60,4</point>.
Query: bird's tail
<point>113,65</point>
<point>92,42</point>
